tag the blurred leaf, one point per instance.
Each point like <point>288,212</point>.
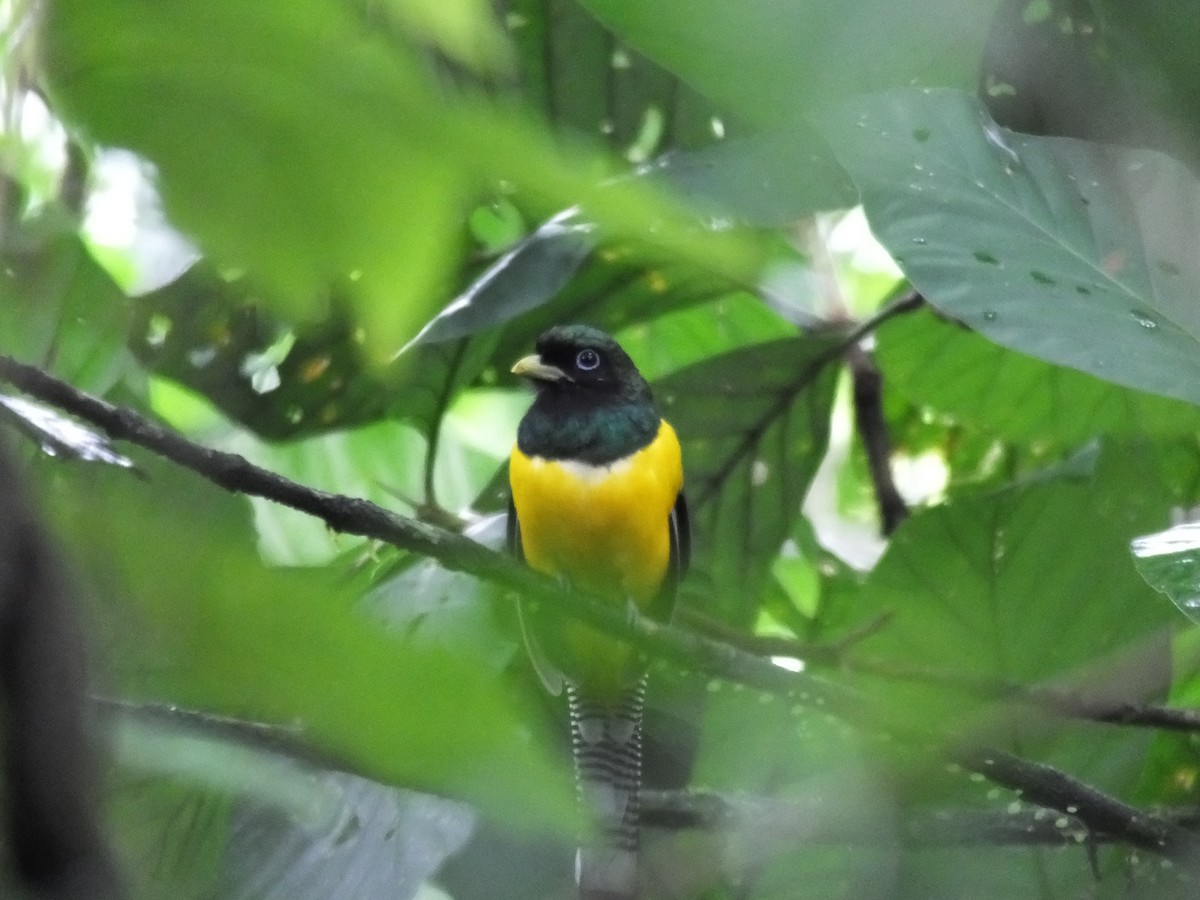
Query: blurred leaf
<point>774,62</point>
<point>59,436</point>
<point>945,367</point>
<point>587,81</point>
<point>1100,71</point>
<point>213,95</point>
<point>754,423</point>
<point>288,647</point>
<point>767,180</point>
<point>463,29</point>
<point>1072,252</point>
<point>59,309</point>
<point>232,87</point>
<point>1170,562</point>
<point>290,828</point>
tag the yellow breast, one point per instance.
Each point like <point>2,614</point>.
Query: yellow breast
<point>603,527</point>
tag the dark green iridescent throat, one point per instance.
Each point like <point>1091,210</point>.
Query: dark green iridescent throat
<point>558,427</point>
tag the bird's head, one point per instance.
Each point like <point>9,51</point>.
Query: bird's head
<point>582,362</point>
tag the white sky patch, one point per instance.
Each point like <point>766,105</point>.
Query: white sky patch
<point>789,663</point>
<point>124,212</point>
<point>851,238</point>
<point>920,479</point>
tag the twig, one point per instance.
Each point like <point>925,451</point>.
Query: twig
<point>1066,702</point>
<point>873,430</point>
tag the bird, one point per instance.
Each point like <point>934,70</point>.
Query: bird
<point>596,501</point>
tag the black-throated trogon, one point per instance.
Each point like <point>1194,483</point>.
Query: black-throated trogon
<point>597,479</point>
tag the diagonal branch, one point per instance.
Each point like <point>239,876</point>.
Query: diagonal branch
<point>352,515</point>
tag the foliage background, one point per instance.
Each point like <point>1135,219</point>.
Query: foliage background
<point>376,205</point>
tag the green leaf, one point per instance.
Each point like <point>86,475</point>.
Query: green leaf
<point>754,423</point>
<point>1023,584</point>
<point>285,826</point>
<point>59,309</point>
<point>950,369</point>
<point>768,180</point>
<point>773,62</point>
<point>1072,252</point>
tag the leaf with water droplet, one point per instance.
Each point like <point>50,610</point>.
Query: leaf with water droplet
<point>1170,562</point>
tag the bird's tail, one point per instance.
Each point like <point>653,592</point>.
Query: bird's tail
<point>607,741</point>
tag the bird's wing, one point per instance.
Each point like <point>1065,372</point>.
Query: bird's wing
<point>677,566</point>
<point>551,677</point>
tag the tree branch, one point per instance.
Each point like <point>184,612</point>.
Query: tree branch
<point>352,515</point>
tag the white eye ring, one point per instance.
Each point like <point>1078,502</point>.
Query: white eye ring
<point>586,360</point>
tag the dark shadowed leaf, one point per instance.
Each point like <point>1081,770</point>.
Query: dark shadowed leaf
<point>948,368</point>
<point>1073,252</point>
<point>754,423</point>
<point>526,276</point>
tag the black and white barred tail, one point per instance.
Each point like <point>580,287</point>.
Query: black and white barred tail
<point>607,741</point>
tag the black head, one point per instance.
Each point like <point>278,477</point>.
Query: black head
<point>592,402</point>
<point>582,361</point>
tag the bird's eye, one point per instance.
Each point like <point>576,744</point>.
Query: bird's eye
<point>586,360</point>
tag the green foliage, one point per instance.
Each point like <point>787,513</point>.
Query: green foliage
<point>393,199</point>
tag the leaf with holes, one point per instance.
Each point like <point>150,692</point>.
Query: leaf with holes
<point>754,424</point>
<point>1073,252</point>
<point>948,368</point>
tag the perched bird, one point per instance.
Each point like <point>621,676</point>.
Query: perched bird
<point>597,478</point>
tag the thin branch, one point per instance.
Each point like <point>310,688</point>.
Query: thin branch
<point>1061,700</point>
<point>824,821</point>
<point>1100,813</point>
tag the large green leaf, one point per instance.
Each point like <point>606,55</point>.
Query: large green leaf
<point>1023,584</point>
<point>1073,252</point>
<point>773,62</point>
<point>754,423</point>
<point>952,370</point>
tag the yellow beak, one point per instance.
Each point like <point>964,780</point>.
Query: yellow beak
<point>533,367</point>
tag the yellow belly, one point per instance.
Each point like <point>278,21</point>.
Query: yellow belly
<point>603,527</point>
